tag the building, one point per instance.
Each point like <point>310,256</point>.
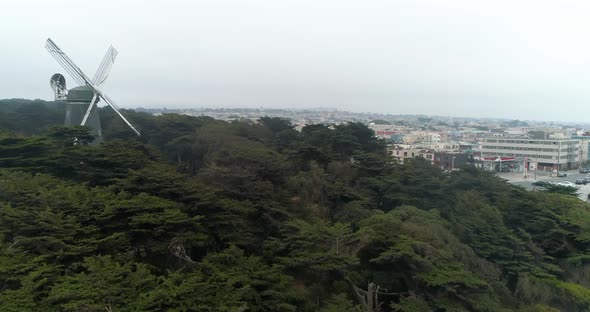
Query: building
<point>546,154</point>
<point>441,146</point>
<point>467,147</point>
<point>431,137</point>
<point>410,139</point>
<point>401,154</point>
<point>538,135</point>
<point>503,164</point>
<point>385,134</point>
<point>584,146</point>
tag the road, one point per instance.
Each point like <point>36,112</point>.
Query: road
<point>572,176</point>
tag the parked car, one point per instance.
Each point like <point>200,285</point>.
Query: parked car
<point>581,181</point>
<point>541,183</point>
<point>585,170</point>
<point>562,175</point>
<point>587,179</point>
<point>566,183</point>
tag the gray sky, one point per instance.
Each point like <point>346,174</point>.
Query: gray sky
<point>512,59</point>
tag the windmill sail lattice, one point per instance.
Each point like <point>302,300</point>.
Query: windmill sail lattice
<point>81,101</point>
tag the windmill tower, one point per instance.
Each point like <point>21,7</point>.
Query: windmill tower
<point>81,101</point>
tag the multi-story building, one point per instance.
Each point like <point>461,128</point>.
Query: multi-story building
<point>401,154</point>
<point>584,146</point>
<point>547,154</point>
<point>431,137</point>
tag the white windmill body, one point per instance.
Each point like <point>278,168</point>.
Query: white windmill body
<point>78,103</point>
<point>81,101</point>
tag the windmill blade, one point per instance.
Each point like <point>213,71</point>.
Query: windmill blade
<point>116,109</point>
<point>60,56</point>
<point>105,66</point>
<point>89,109</point>
<point>78,75</point>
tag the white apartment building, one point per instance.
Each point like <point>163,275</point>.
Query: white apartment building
<point>432,137</point>
<point>546,154</point>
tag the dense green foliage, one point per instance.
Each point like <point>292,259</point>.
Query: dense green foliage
<point>203,215</point>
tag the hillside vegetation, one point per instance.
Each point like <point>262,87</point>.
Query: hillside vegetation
<point>204,215</point>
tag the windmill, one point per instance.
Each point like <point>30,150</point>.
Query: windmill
<point>81,101</point>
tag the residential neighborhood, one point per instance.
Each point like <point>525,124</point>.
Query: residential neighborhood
<point>496,145</point>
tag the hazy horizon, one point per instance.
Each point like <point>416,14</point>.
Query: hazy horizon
<point>168,107</point>
<point>476,59</point>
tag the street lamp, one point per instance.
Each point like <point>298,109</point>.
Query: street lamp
<point>453,163</point>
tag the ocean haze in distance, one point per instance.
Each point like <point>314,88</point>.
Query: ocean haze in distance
<point>519,60</point>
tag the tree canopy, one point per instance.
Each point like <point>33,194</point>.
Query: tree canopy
<point>199,214</point>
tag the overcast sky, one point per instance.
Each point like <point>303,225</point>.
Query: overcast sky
<point>511,59</point>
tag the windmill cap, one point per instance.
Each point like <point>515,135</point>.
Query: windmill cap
<point>80,94</point>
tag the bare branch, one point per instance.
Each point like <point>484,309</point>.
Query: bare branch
<point>178,251</point>
<point>369,299</point>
